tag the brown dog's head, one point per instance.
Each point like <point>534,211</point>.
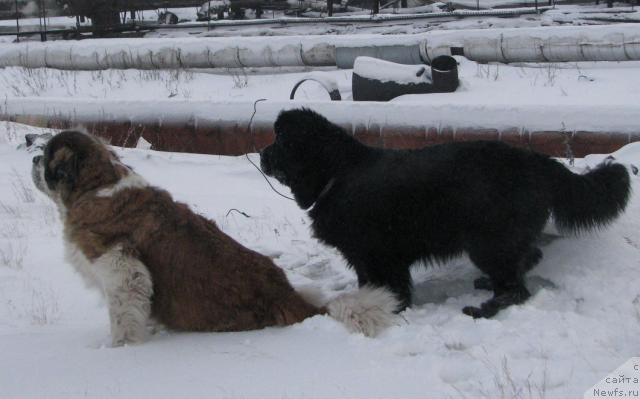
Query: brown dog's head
<point>74,163</point>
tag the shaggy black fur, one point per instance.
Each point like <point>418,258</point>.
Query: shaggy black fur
<point>386,209</point>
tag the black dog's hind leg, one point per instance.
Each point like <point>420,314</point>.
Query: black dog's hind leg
<point>483,283</point>
<point>506,268</point>
<point>527,263</point>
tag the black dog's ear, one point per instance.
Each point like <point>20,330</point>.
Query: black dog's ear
<point>298,121</point>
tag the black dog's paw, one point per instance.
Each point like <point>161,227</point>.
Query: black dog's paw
<point>473,311</point>
<point>490,308</point>
<point>486,311</point>
<point>483,283</point>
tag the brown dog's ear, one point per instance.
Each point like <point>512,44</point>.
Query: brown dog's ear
<point>62,168</point>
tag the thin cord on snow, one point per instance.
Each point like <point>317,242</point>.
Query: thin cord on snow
<point>237,210</point>
<point>255,109</point>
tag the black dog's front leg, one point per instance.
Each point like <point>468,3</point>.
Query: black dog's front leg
<point>397,280</point>
<point>501,300</point>
<point>362,277</point>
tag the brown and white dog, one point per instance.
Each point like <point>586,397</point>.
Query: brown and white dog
<point>156,261</point>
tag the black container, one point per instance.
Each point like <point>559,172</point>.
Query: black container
<point>444,74</point>
<point>392,80</point>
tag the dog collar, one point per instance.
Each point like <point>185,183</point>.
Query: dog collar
<point>324,191</point>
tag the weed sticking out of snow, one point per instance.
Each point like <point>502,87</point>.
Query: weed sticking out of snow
<point>239,77</point>
<point>488,71</point>
<point>42,302</point>
<point>504,384</point>
<point>12,254</point>
<point>551,73</point>
<point>26,82</point>
<point>8,132</point>
<point>22,190</point>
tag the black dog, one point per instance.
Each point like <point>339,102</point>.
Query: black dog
<point>386,209</point>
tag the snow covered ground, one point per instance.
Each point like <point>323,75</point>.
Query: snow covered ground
<point>582,321</point>
<point>601,83</point>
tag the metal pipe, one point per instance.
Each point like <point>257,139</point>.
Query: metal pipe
<point>225,128</point>
<point>409,54</point>
<point>544,44</point>
<point>547,44</point>
<point>186,52</point>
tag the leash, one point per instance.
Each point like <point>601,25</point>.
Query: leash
<point>253,143</point>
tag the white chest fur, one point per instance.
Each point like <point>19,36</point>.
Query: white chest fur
<point>83,266</point>
<point>126,284</point>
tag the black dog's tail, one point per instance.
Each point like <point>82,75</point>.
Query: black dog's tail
<point>592,200</point>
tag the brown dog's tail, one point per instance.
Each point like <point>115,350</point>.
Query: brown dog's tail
<point>368,310</point>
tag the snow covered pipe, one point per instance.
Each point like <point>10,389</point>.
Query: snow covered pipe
<point>545,44</point>
<point>409,54</point>
<point>224,128</point>
<point>223,52</point>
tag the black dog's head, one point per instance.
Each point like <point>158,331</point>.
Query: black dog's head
<point>307,153</point>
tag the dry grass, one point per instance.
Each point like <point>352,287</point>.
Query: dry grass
<point>505,385</point>
<point>29,82</point>
<point>43,307</point>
